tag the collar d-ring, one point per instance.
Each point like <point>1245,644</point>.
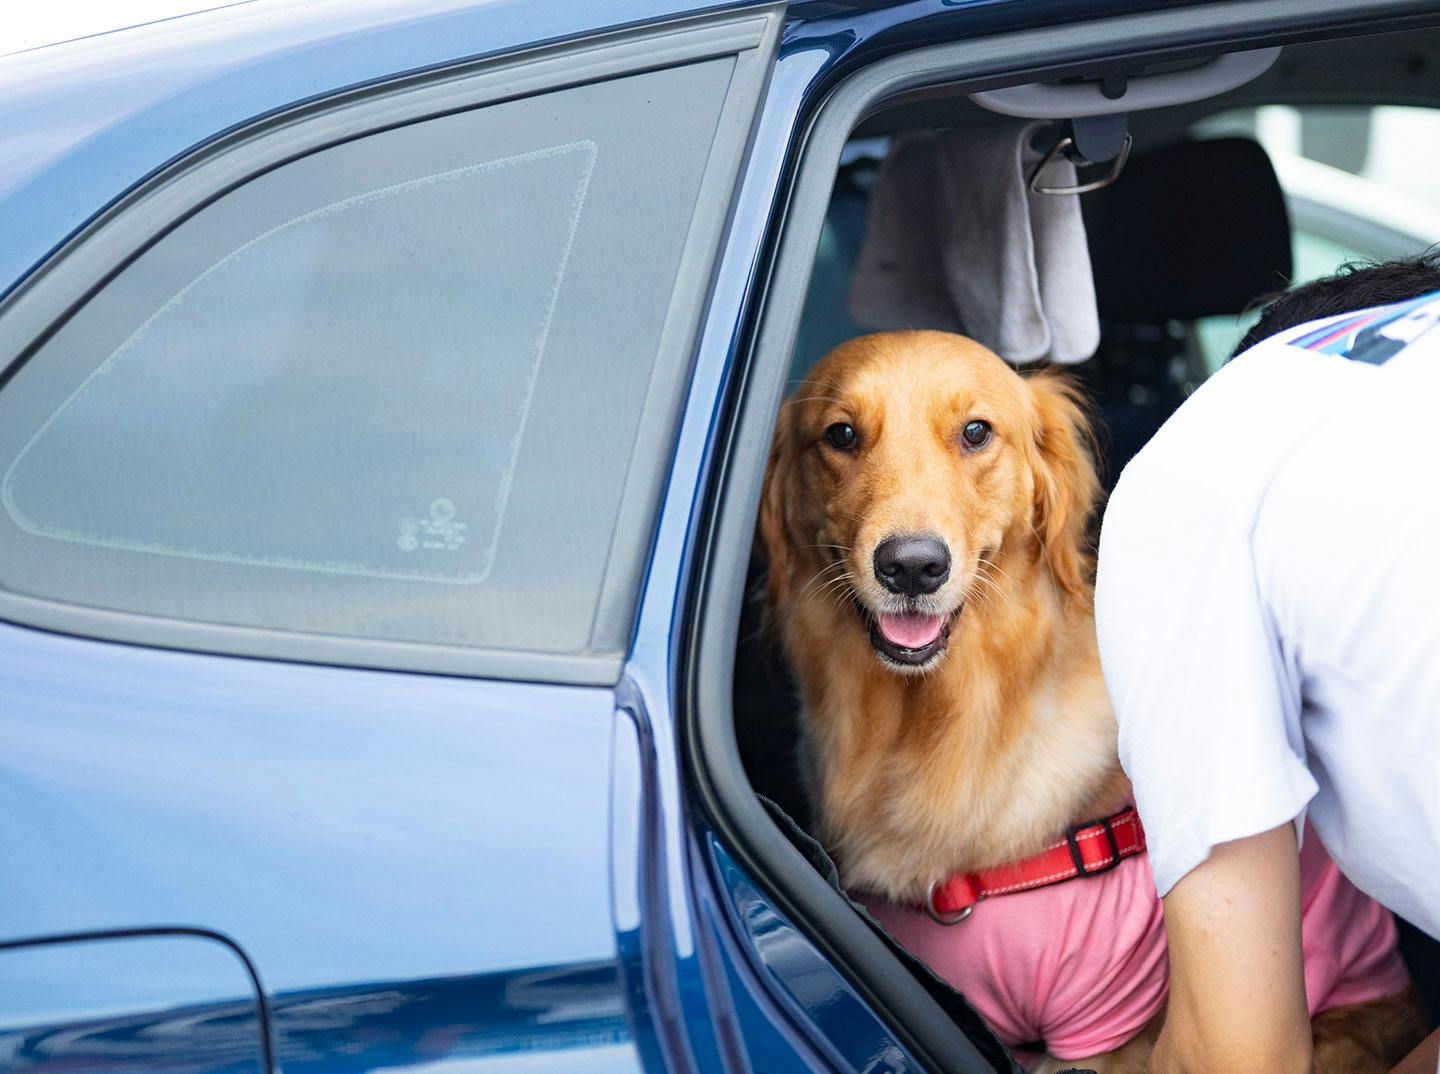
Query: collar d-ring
<point>940,918</point>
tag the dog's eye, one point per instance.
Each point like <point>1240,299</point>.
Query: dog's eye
<point>841,435</point>
<point>976,434</point>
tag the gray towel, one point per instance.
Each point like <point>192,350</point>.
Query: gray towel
<point>957,242</point>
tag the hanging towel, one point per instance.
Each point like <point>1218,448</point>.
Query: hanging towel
<point>957,242</point>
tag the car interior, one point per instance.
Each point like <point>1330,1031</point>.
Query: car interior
<point>1226,197</point>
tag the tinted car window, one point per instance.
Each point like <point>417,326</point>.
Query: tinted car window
<point>389,390</point>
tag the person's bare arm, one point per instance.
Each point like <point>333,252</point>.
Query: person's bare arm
<point>1237,992</point>
<point>1423,1060</point>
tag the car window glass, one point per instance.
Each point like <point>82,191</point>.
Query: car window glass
<point>1360,183</point>
<point>388,390</point>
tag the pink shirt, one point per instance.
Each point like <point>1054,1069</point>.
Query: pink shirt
<point>1082,965</point>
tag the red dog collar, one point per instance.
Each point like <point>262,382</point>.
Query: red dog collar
<point>1094,847</point>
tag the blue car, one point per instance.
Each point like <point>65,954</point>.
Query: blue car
<point>385,391</point>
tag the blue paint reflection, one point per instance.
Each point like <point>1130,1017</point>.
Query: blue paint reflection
<point>547,1018</point>
<point>576,1010</point>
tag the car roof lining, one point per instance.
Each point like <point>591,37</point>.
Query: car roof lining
<point>1385,67</point>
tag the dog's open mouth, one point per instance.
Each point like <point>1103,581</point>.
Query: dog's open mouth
<point>911,638</point>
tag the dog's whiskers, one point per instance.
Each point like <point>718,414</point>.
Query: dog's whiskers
<point>833,565</point>
<point>819,383</point>
<point>852,518</point>
<point>977,596</point>
<point>985,587</point>
<point>814,399</point>
<point>841,579</point>
<point>982,572</point>
<point>835,600</point>
<point>992,565</point>
<point>835,590</point>
<point>819,575</point>
<point>981,586</point>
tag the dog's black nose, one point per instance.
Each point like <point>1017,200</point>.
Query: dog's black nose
<point>912,565</point>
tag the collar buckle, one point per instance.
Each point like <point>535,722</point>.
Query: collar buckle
<point>1072,839</point>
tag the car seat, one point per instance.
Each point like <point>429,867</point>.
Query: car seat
<point>1190,230</point>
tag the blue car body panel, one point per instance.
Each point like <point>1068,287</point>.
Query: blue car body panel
<point>416,810</point>
<point>435,873</point>
<point>345,827</point>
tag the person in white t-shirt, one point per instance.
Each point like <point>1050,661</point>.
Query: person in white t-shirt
<point>1268,610</point>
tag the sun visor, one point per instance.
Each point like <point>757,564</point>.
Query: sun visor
<point>1118,91</point>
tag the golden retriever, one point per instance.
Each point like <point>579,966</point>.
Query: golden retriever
<point>925,517</point>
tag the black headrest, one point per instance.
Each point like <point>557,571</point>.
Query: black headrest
<point>1192,230</point>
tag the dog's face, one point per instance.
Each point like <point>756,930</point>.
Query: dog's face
<point>901,468</point>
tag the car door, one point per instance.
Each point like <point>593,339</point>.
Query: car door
<point>331,458</point>
<point>804,943</point>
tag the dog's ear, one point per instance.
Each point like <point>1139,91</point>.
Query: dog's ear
<point>1066,485</point>
<point>774,524</point>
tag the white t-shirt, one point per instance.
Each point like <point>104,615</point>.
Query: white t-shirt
<point>1268,606</point>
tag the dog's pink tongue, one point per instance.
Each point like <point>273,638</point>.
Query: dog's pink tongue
<point>910,630</point>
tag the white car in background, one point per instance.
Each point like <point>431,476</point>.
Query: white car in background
<point>1387,208</point>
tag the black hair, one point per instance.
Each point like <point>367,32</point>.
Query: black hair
<point>1358,285</point>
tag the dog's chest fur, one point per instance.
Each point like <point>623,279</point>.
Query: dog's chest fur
<point>967,768</point>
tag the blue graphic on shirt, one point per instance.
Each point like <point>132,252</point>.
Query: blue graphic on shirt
<point>1375,335</point>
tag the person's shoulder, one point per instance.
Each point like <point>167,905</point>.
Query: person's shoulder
<point>1371,336</point>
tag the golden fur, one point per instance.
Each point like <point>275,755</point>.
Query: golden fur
<point>1006,738</point>
<point>988,756</point>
